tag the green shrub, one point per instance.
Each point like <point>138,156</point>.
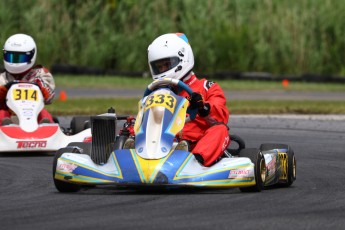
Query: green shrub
<point>278,36</point>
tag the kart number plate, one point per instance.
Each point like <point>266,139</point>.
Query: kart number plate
<point>166,100</point>
<point>25,94</point>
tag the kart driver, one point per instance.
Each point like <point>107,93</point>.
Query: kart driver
<point>170,55</point>
<point>20,53</point>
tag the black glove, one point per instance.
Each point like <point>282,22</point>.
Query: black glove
<point>197,102</point>
<point>3,93</point>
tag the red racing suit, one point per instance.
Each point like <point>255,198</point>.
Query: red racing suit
<point>37,74</point>
<point>208,135</point>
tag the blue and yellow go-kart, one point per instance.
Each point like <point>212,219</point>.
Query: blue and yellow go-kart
<point>156,160</point>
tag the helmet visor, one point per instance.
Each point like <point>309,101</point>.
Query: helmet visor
<point>18,57</point>
<point>163,65</point>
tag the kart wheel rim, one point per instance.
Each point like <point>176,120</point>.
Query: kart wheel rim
<point>294,167</point>
<point>262,170</point>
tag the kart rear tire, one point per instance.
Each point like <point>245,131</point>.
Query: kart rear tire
<point>291,166</point>
<point>119,142</point>
<point>259,169</point>
<point>79,124</point>
<point>240,143</point>
<point>62,186</point>
<point>270,146</point>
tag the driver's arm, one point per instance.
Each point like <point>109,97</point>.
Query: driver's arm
<point>46,82</point>
<point>214,98</point>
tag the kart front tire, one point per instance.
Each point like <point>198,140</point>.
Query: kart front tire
<point>79,124</point>
<point>85,147</point>
<point>259,169</point>
<point>63,186</point>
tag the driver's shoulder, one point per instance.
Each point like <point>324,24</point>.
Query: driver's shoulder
<point>3,74</point>
<point>5,77</point>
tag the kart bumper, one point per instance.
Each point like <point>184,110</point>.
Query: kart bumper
<point>126,168</point>
<point>46,138</point>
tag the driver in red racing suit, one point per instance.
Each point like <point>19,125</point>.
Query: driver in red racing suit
<point>20,53</point>
<point>208,133</point>
<point>170,55</point>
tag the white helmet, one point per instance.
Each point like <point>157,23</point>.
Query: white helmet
<point>170,55</point>
<point>19,53</point>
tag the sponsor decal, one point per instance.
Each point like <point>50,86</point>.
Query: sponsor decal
<point>192,81</point>
<point>66,167</point>
<point>24,86</point>
<point>239,173</point>
<point>225,143</point>
<point>31,144</point>
<point>271,165</point>
<point>88,139</point>
<point>208,84</point>
<point>178,121</point>
<point>28,113</point>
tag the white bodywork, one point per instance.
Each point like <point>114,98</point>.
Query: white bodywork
<point>25,100</point>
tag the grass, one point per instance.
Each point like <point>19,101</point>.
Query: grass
<point>128,106</point>
<point>101,82</point>
<point>287,107</point>
<point>110,82</point>
<point>93,106</point>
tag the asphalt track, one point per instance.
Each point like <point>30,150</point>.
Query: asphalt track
<point>29,200</point>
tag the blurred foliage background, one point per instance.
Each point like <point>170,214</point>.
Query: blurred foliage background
<point>276,36</point>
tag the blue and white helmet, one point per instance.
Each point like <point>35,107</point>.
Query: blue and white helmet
<point>170,55</point>
<point>19,53</point>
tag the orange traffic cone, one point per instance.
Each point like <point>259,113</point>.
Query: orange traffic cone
<point>63,96</point>
<point>285,83</point>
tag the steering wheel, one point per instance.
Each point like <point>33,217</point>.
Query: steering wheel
<point>163,82</point>
<point>166,82</point>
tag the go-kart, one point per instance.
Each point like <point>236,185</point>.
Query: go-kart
<point>156,160</point>
<point>25,134</point>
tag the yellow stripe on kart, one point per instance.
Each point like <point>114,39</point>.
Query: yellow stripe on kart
<point>180,118</point>
<point>225,183</point>
<point>80,179</point>
<point>147,168</point>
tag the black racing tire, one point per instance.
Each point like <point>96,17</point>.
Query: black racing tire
<point>79,124</point>
<point>119,142</point>
<point>56,120</point>
<point>292,165</point>
<point>63,186</point>
<point>259,169</point>
<point>86,147</point>
<point>270,146</point>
